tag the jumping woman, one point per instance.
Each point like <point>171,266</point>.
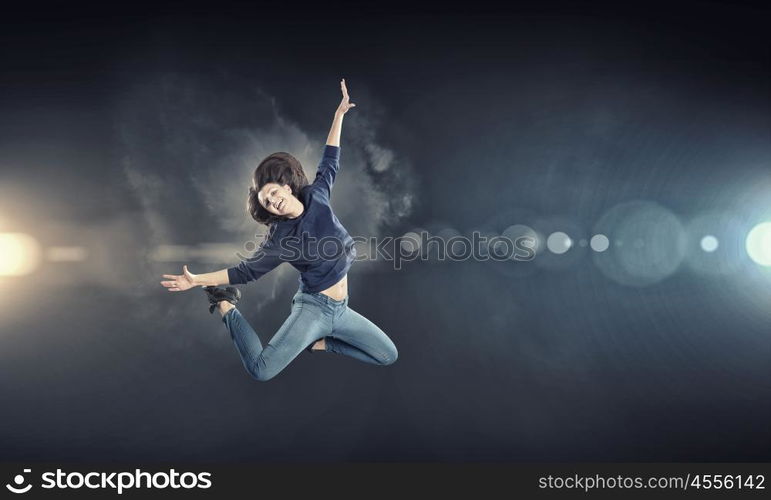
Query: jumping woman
<point>301,226</point>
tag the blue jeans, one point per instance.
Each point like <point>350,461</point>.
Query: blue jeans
<point>313,316</point>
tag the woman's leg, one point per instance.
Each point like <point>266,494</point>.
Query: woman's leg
<point>304,325</point>
<point>355,336</point>
<point>339,347</point>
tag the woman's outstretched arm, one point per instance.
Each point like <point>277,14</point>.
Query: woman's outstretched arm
<point>263,261</point>
<point>187,280</point>
<point>330,160</point>
<point>333,139</point>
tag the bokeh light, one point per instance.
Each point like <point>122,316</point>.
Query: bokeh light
<point>715,243</point>
<point>599,243</point>
<point>759,244</point>
<point>523,237</point>
<point>559,242</point>
<point>19,254</point>
<point>709,243</point>
<point>650,243</point>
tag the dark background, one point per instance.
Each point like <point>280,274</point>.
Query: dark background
<point>123,128</point>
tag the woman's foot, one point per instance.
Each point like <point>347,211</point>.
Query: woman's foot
<point>224,306</point>
<point>223,299</point>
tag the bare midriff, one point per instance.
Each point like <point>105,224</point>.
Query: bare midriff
<point>339,290</point>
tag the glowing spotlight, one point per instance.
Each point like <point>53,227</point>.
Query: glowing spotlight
<point>709,243</point>
<point>599,243</point>
<point>558,242</point>
<point>19,254</point>
<point>759,244</point>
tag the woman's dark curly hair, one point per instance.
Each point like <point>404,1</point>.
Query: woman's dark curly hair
<point>281,168</point>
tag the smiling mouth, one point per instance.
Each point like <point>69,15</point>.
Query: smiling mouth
<point>280,205</point>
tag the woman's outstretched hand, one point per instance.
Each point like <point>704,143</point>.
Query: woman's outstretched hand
<point>345,105</point>
<point>179,282</point>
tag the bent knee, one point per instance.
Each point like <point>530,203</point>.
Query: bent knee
<point>390,357</point>
<point>261,375</point>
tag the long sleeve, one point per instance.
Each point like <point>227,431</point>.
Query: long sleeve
<point>262,262</point>
<point>327,171</point>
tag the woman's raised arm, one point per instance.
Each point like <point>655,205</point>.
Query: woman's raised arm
<point>330,160</point>
<point>333,139</point>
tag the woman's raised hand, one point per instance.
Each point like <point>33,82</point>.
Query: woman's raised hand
<point>345,105</point>
<point>179,282</point>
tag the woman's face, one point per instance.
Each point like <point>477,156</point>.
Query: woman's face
<point>279,200</point>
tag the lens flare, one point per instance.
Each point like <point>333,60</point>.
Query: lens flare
<point>559,242</point>
<point>709,243</point>
<point>599,243</point>
<point>19,254</point>
<point>759,244</point>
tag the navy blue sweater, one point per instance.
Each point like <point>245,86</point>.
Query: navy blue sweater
<point>315,243</point>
